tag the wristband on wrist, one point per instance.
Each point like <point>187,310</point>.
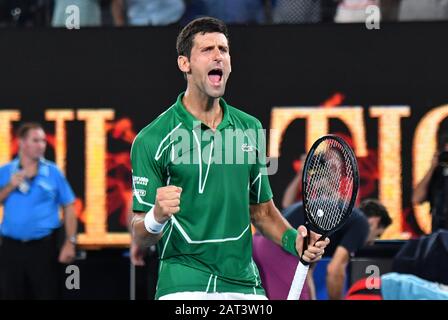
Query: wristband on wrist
<point>151,225</point>
<point>289,241</point>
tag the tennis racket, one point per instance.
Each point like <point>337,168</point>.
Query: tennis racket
<point>330,182</point>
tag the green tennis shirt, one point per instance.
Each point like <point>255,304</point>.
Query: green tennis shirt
<point>207,245</point>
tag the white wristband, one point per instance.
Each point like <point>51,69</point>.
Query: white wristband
<point>151,225</point>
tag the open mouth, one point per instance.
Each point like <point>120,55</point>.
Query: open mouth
<point>215,76</point>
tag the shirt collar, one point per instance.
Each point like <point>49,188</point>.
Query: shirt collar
<point>43,169</point>
<point>191,122</point>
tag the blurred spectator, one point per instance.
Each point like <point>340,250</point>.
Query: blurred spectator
<point>423,10</point>
<point>433,187</point>
<point>363,227</point>
<point>154,12</point>
<point>89,12</point>
<point>229,11</point>
<point>353,10</point>
<point>237,11</point>
<point>112,13</point>
<point>297,11</point>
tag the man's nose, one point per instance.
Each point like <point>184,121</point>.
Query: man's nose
<point>217,55</point>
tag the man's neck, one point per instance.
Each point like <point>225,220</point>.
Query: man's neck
<point>27,162</point>
<point>204,108</point>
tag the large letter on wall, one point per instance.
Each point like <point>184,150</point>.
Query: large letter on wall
<point>60,117</point>
<point>424,147</point>
<point>389,162</point>
<point>317,125</point>
<point>6,117</point>
<point>95,187</point>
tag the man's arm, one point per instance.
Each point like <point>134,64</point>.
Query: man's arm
<point>68,250</point>
<point>167,203</point>
<point>336,273</point>
<point>269,221</point>
<point>5,191</point>
<point>421,190</point>
<point>15,181</point>
<point>140,236</point>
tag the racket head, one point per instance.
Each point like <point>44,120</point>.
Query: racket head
<point>330,181</point>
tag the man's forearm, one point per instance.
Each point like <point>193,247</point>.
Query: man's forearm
<point>140,235</point>
<point>5,191</point>
<point>335,285</point>
<point>70,221</point>
<point>271,224</point>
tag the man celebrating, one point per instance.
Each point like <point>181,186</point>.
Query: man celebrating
<point>196,188</point>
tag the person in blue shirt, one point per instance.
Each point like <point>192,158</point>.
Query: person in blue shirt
<point>32,189</point>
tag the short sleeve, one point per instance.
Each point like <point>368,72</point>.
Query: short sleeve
<point>65,193</point>
<point>146,176</point>
<point>5,176</point>
<point>260,189</point>
<point>356,235</point>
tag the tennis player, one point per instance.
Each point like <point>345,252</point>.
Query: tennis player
<point>196,187</point>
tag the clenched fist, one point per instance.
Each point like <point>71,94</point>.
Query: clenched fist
<point>167,203</point>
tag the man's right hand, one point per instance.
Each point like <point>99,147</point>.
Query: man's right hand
<point>16,179</point>
<point>167,203</point>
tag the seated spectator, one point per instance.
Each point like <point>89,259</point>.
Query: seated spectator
<point>292,11</point>
<point>353,10</point>
<point>236,11</point>
<point>154,12</point>
<point>89,12</point>
<point>423,10</point>
<point>229,11</point>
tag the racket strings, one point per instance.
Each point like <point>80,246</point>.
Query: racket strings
<point>329,168</point>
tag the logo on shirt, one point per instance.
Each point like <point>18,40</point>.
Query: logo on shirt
<point>140,192</point>
<point>140,180</point>
<point>247,148</point>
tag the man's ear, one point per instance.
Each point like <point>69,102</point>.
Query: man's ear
<point>184,64</point>
<point>374,221</point>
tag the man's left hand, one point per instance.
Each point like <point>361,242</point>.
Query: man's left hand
<point>68,253</point>
<point>315,249</point>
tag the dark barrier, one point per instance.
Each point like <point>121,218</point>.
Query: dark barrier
<point>384,90</point>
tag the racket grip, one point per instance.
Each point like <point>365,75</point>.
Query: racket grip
<point>298,281</point>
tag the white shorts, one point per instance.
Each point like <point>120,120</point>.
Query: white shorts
<point>198,295</point>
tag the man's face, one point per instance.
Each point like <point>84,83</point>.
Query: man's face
<point>209,65</point>
<point>375,229</point>
<point>34,144</point>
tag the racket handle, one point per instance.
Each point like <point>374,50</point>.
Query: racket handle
<point>298,281</point>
